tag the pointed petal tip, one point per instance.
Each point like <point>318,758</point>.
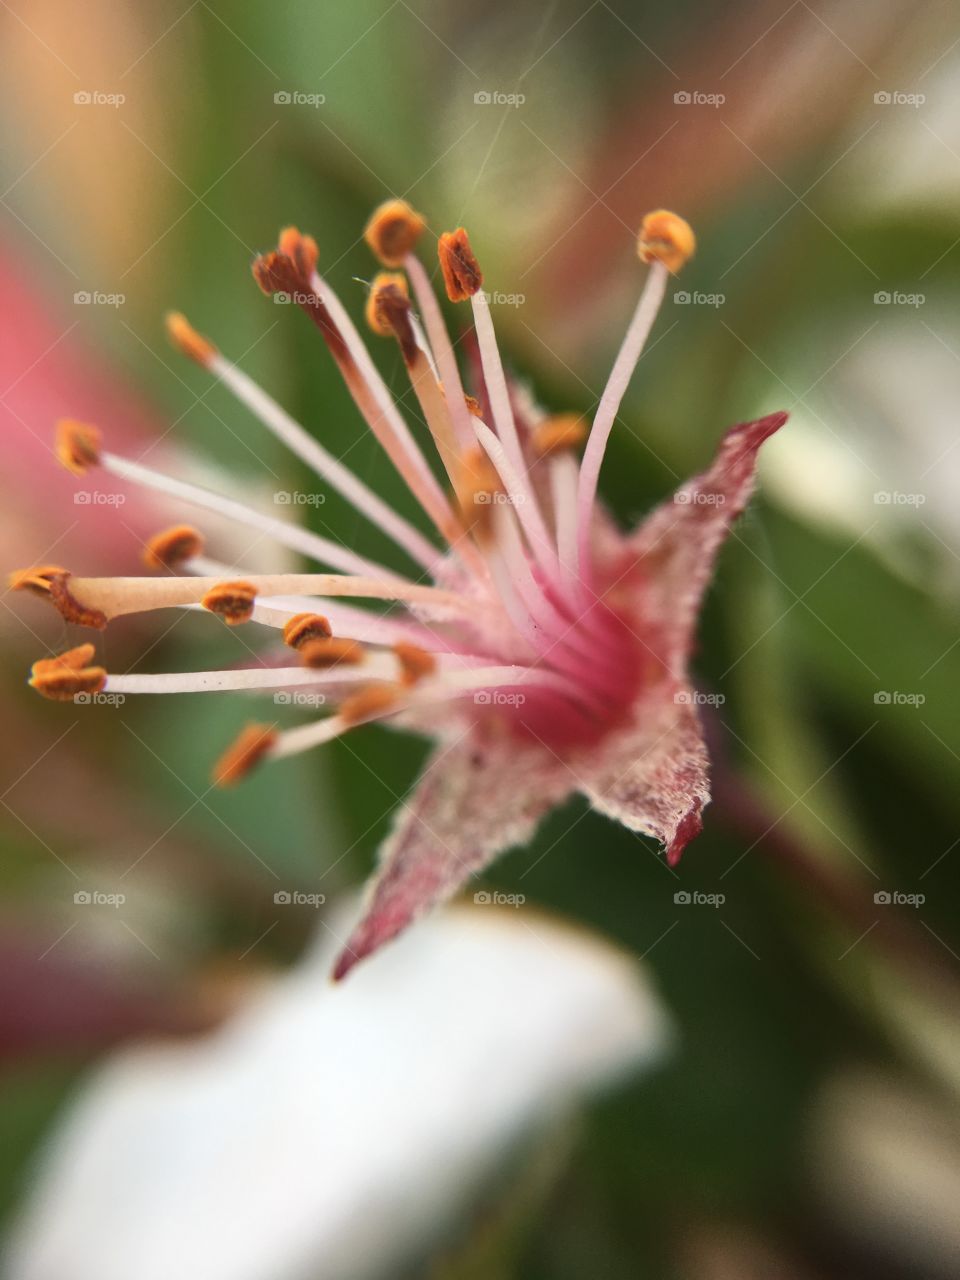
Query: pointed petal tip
<point>690,827</point>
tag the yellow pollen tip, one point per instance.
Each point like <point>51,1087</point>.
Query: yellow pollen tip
<point>665,237</point>
<point>186,339</point>
<point>372,700</point>
<point>172,547</point>
<point>68,674</point>
<point>247,750</point>
<point>302,250</point>
<point>303,627</point>
<point>473,405</point>
<point>393,231</point>
<point>461,271</point>
<point>323,652</point>
<point>415,663</point>
<point>231,601</point>
<point>378,321</point>
<point>36,580</point>
<point>77,445</point>
<point>478,483</point>
<point>553,435</point>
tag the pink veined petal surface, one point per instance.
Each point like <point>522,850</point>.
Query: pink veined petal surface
<point>653,777</point>
<point>677,544</point>
<point>473,801</point>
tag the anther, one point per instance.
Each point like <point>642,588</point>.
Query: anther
<point>461,271</point>
<point>172,547</point>
<point>393,231</point>
<point>553,435</point>
<point>68,674</point>
<point>186,339</point>
<point>665,237</point>
<point>303,627</point>
<point>300,249</point>
<point>232,601</point>
<point>37,579</point>
<point>415,663</point>
<point>377,322</point>
<point>247,750</point>
<point>372,700</point>
<point>324,652</point>
<point>77,445</point>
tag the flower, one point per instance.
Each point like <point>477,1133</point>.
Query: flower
<point>339,1131</point>
<point>548,651</point>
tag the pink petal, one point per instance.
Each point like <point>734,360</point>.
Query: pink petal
<point>653,776</point>
<point>474,800</point>
<point>677,544</point>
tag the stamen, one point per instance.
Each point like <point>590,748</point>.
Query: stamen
<point>77,445</point>
<point>415,663</point>
<point>254,742</point>
<point>393,231</point>
<point>250,679</point>
<point>64,677</point>
<point>665,237</point>
<point>665,241</point>
<point>463,279</point>
<point>522,499</point>
<point>392,308</point>
<point>231,601</point>
<point>310,451</point>
<point>460,405</point>
<point>275,272</point>
<point>187,341</point>
<point>306,626</point>
<point>94,601</point>
<point>173,547</point>
<point>293,536</point>
<point>324,652</point>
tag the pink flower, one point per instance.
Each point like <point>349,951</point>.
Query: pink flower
<point>543,649</point>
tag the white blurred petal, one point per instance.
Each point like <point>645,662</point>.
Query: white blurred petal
<point>330,1130</point>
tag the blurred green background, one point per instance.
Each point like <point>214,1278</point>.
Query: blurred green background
<point>816,150</point>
